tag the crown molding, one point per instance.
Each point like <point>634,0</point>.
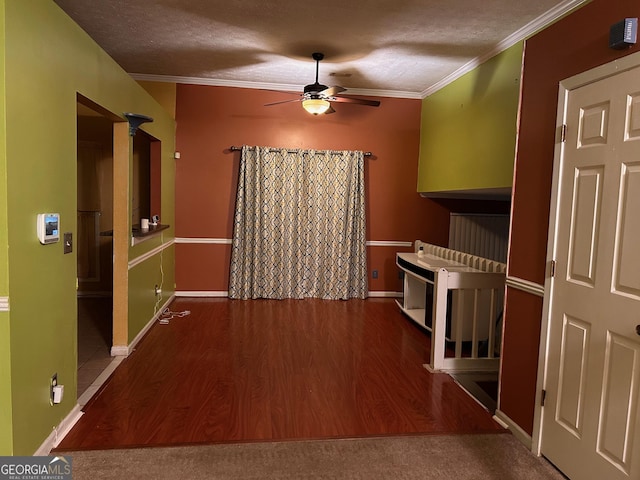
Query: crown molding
<point>215,82</point>
<point>383,93</point>
<point>525,32</point>
<point>282,87</point>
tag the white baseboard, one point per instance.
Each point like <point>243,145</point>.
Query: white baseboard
<point>222,294</point>
<point>382,294</point>
<point>70,420</point>
<point>98,382</point>
<point>120,351</point>
<point>126,350</point>
<point>59,432</point>
<point>203,293</point>
<point>517,431</point>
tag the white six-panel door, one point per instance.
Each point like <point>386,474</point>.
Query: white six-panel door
<point>591,420</point>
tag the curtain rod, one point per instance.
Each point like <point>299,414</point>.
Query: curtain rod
<point>234,148</point>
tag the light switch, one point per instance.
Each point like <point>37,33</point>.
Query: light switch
<point>68,242</point>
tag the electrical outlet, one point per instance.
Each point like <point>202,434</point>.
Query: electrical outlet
<point>374,274</point>
<point>52,383</point>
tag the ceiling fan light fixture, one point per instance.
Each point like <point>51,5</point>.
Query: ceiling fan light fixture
<point>316,106</point>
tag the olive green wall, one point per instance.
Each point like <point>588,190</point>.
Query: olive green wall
<point>143,278</point>
<point>152,270</point>
<point>468,130</point>
<point>49,60</point>
<point>164,93</point>
<point>6,427</point>
<point>6,430</point>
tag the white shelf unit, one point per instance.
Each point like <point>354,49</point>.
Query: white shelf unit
<point>457,297</point>
<point>414,297</point>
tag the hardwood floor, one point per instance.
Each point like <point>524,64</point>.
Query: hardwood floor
<point>263,370</point>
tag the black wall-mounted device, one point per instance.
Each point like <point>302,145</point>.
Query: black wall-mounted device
<point>623,34</point>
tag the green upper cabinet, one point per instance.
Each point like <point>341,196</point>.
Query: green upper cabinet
<point>468,130</point>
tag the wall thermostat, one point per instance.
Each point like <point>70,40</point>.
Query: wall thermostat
<point>48,227</point>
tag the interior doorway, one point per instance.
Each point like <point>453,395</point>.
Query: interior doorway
<point>591,415</point>
<point>94,244</point>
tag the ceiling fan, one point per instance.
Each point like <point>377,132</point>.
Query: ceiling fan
<point>317,98</point>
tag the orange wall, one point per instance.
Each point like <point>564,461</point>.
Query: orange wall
<point>575,44</point>
<point>523,314</point>
<point>211,119</point>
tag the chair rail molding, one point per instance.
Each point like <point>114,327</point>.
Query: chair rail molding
<point>525,286</point>
<point>229,241</point>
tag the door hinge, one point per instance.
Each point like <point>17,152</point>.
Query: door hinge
<point>563,132</point>
<point>543,397</point>
<point>552,268</point>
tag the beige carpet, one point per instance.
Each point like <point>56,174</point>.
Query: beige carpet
<point>459,457</point>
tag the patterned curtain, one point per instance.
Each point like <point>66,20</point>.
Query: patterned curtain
<point>299,227</point>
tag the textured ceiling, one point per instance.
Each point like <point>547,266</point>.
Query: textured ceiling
<point>392,47</point>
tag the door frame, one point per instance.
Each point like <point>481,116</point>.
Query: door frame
<point>122,149</point>
<point>565,87</point>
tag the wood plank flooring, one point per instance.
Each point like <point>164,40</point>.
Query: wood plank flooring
<point>265,370</point>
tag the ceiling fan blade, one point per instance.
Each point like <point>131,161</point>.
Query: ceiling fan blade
<point>357,101</point>
<point>331,91</point>
<point>283,101</point>
<point>316,91</point>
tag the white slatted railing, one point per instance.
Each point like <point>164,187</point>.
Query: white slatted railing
<point>465,334</point>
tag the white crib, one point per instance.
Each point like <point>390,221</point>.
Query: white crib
<point>459,298</point>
